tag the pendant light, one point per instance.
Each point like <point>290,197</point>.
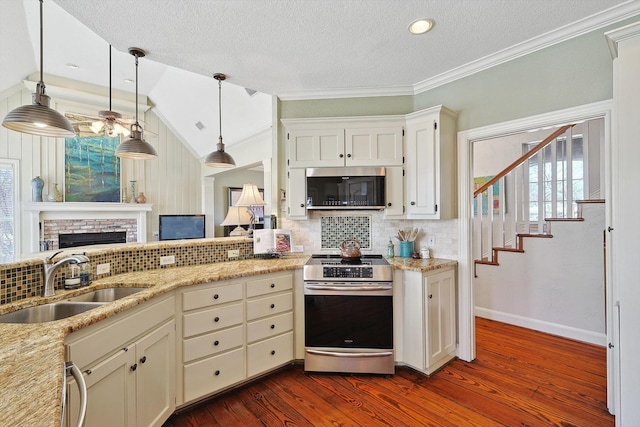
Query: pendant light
<point>136,147</point>
<point>38,118</point>
<point>218,158</point>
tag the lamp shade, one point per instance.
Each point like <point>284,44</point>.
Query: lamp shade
<point>237,215</point>
<point>136,147</point>
<point>250,196</point>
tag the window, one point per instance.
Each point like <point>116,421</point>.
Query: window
<point>8,210</point>
<point>556,179</point>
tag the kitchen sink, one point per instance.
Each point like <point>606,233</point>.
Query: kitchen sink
<point>106,295</point>
<point>48,312</point>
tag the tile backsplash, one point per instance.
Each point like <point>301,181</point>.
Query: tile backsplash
<point>335,229</point>
<point>311,233</point>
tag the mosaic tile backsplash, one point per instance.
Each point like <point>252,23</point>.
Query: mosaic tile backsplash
<point>22,280</point>
<point>335,229</point>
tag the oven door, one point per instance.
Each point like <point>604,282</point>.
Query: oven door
<point>350,317</point>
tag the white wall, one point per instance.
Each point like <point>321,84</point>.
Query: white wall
<point>556,286</point>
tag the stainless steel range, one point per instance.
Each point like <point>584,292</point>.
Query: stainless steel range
<point>348,315</point>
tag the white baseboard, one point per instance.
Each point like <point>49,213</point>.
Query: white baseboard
<point>542,326</point>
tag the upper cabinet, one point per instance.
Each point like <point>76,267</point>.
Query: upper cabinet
<point>351,141</point>
<point>431,164</point>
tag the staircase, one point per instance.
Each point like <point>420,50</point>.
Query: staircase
<point>519,203</point>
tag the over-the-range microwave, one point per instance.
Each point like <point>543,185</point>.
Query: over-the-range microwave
<point>346,188</point>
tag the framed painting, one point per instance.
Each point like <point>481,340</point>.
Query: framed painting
<point>91,169</point>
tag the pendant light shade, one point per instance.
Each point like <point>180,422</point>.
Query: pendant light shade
<point>136,147</point>
<point>219,158</point>
<point>38,118</point>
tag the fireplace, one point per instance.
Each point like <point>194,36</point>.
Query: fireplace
<point>86,239</point>
<point>46,221</point>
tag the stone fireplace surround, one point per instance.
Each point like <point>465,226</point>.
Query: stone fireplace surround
<point>46,220</point>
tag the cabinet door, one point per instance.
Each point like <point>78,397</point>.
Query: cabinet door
<point>413,319</point>
<point>155,376</point>
<point>316,148</point>
<point>440,292</point>
<point>297,194</point>
<point>423,167</point>
<point>111,390</point>
<point>373,147</point>
<point>394,192</point>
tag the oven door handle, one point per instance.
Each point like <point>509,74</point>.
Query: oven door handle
<point>340,354</point>
<point>347,288</point>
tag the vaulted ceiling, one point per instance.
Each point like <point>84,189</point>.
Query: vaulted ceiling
<point>295,49</point>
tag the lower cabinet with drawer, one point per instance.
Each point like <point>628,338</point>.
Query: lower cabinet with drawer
<point>232,330</point>
<point>128,363</point>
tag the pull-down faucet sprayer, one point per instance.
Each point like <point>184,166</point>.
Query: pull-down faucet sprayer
<point>51,268</point>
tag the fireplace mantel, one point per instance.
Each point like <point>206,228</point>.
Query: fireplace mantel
<point>40,211</point>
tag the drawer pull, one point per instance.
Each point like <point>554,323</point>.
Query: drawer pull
<point>273,285</point>
<point>216,342</point>
<point>144,359</point>
<point>273,352</point>
<point>125,348</point>
<point>273,326</point>
<point>88,371</point>
<point>273,306</point>
<point>216,319</point>
<point>216,373</point>
<point>216,296</point>
<point>134,367</point>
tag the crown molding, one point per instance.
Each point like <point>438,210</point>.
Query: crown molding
<point>615,14</point>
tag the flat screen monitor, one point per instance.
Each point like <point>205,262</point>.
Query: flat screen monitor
<point>176,227</point>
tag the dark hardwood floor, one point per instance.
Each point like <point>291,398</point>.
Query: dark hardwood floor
<point>519,378</point>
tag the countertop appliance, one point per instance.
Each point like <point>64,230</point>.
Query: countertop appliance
<point>348,315</point>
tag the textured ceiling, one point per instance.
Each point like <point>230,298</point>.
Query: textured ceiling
<point>292,48</point>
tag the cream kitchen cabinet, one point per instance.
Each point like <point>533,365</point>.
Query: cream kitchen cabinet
<point>128,363</point>
<point>431,164</point>
<point>394,192</point>
<point>429,318</point>
<point>296,194</point>
<point>345,141</point>
<point>212,338</point>
<point>232,330</point>
<point>269,323</point>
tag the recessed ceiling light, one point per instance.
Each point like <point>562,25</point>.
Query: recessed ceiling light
<point>73,66</point>
<point>420,26</point>
<point>129,80</point>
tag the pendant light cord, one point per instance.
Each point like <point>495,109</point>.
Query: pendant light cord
<point>137,124</point>
<point>110,109</point>
<point>220,107</point>
<point>41,49</point>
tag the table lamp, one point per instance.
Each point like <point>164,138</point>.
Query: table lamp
<point>237,215</point>
<point>250,197</point>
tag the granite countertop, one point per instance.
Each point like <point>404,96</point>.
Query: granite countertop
<point>33,355</point>
<point>421,265</point>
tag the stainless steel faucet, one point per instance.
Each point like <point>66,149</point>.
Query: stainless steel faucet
<point>51,268</point>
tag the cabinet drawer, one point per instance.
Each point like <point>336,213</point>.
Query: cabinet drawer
<point>212,319</point>
<point>269,285</point>
<point>268,354</point>
<point>211,296</point>
<point>213,343</point>
<point>269,327</point>
<point>215,373</point>
<point>261,307</point>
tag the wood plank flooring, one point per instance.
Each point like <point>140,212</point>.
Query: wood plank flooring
<point>519,378</point>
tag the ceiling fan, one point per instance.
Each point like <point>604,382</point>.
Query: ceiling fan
<point>108,123</point>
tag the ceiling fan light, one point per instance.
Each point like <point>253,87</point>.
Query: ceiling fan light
<point>96,127</point>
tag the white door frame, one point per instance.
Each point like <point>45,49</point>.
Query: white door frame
<point>466,305</point>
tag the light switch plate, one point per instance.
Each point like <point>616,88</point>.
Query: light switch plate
<point>103,268</point>
<point>233,253</point>
<point>431,240</point>
<point>167,260</point>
